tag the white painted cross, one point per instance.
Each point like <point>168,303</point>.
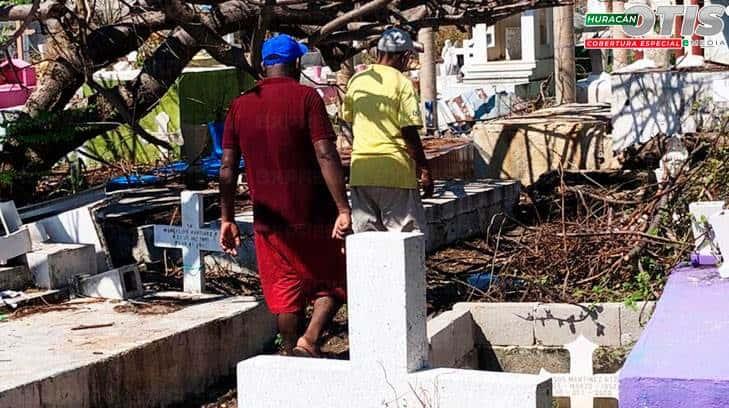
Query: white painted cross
<point>581,385</point>
<point>192,238</point>
<point>720,224</point>
<point>388,348</point>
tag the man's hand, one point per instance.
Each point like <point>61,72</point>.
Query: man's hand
<point>426,181</point>
<point>230,239</point>
<point>342,226</point>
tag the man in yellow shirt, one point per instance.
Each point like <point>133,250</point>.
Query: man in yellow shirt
<point>387,156</point>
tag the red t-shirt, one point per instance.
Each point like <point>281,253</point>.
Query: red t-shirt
<point>275,126</point>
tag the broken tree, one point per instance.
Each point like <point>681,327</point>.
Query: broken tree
<point>84,38</point>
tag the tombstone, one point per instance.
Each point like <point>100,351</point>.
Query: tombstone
<point>720,224</point>
<point>581,385</point>
<point>706,252</point>
<point>388,365</point>
<point>192,238</point>
<point>52,265</point>
<point>78,226</point>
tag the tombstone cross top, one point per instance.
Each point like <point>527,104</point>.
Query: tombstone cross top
<point>388,348</point>
<point>192,238</point>
<point>581,385</point>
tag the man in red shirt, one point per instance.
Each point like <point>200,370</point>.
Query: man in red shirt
<point>296,181</point>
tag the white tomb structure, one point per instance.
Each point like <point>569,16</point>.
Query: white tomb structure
<point>53,262</point>
<point>192,238</point>
<point>512,56</point>
<point>581,385</point>
<point>388,364</point>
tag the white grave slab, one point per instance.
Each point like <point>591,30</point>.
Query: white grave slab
<point>14,244</point>
<point>581,385</point>
<point>388,365</point>
<point>192,238</point>
<point>720,224</point>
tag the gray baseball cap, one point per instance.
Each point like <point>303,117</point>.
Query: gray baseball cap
<point>397,40</point>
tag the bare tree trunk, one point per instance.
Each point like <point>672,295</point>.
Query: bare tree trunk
<point>564,55</point>
<point>428,85</point>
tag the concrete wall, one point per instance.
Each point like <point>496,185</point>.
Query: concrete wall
<point>555,324</point>
<point>461,210</point>
<point>645,104</point>
<point>456,163</point>
<point>522,149</point>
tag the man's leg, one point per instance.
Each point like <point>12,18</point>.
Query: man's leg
<point>282,288</point>
<point>366,215</point>
<point>324,310</point>
<point>289,326</point>
<point>402,210</point>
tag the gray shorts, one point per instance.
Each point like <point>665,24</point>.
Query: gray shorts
<point>387,209</point>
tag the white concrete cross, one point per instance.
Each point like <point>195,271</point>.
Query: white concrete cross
<point>720,224</point>
<point>192,238</point>
<point>388,348</point>
<point>581,385</point>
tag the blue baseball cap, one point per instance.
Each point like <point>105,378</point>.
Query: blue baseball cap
<point>282,49</point>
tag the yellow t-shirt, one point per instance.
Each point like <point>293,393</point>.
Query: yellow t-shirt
<point>379,102</point>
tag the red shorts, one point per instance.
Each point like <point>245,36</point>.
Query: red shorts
<point>296,268</point>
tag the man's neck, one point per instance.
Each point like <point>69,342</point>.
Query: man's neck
<point>386,64</point>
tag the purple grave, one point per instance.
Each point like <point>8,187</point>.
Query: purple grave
<point>682,358</point>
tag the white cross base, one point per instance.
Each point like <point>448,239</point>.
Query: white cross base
<point>581,385</point>
<point>388,348</point>
<point>192,238</point>
<point>720,224</point>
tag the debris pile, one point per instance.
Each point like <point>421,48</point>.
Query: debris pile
<point>588,236</point>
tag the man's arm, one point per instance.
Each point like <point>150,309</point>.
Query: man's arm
<point>411,121</point>
<point>323,138</point>
<point>228,183</point>
<point>415,148</point>
<point>331,168</point>
<point>230,238</point>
